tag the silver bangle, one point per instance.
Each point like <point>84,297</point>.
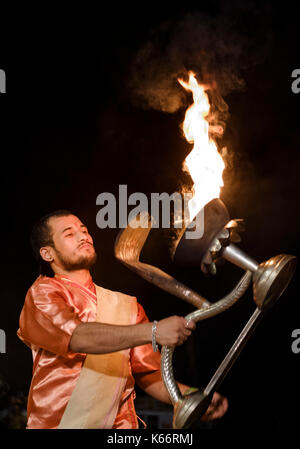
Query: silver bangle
<point>154,328</point>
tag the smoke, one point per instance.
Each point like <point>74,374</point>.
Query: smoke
<point>218,47</point>
<point>215,47</point>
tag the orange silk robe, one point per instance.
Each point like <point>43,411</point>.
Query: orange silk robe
<point>53,308</point>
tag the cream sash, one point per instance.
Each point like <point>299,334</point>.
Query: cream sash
<point>95,399</point>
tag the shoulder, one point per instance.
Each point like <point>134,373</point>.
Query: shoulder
<point>46,282</point>
<point>45,286</point>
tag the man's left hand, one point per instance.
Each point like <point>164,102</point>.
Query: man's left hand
<point>216,409</point>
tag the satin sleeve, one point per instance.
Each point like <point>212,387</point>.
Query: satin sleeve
<point>46,320</point>
<point>144,361</point>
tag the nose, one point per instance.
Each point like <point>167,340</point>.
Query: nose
<point>83,236</point>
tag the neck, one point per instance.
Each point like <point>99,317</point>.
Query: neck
<point>79,276</point>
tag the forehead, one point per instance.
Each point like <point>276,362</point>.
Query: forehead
<point>58,224</point>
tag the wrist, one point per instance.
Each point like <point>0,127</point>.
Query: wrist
<point>146,332</point>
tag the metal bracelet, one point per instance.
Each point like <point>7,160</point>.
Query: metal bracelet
<point>154,344</point>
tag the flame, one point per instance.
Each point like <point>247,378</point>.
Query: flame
<point>204,163</point>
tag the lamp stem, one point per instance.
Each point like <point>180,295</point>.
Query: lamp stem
<point>236,256</point>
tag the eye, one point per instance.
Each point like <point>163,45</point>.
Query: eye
<point>70,234</point>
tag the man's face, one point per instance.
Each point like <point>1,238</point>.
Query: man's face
<point>73,245</point>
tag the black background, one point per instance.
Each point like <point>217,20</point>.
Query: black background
<point>69,132</point>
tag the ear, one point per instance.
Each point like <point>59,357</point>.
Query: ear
<point>46,253</point>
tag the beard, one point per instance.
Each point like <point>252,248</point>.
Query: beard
<point>81,262</point>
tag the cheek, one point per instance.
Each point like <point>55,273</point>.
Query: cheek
<point>66,246</point>
<point>71,246</point>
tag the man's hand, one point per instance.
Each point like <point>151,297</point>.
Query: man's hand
<point>216,409</point>
<point>174,331</point>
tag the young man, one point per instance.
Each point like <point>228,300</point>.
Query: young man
<point>89,344</point>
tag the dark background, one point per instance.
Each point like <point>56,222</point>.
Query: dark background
<point>70,131</point>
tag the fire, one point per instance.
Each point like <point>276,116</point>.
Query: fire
<point>204,163</point>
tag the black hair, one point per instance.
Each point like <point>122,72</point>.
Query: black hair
<point>41,235</point>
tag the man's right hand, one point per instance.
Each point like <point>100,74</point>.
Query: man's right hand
<point>174,331</point>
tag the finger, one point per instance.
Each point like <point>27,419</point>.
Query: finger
<point>222,402</point>
<point>183,339</point>
<point>191,325</point>
<point>188,324</point>
<point>219,410</point>
<point>212,411</point>
<point>179,341</point>
<point>225,405</point>
<point>218,413</point>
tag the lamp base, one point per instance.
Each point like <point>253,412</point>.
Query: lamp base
<point>189,409</point>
